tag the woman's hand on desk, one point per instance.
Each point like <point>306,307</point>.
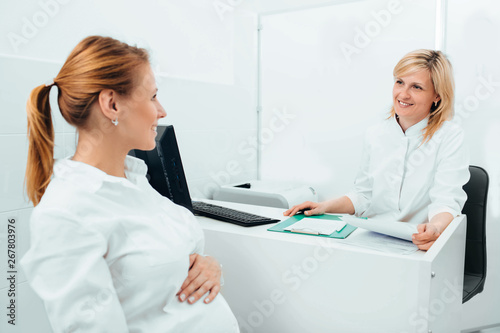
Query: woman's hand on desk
<point>308,207</point>
<point>204,275</point>
<point>429,232</point>
<point>426,236</point>
<point>342,205</point>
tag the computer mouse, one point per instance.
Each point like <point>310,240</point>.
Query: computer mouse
<point>302,211</point>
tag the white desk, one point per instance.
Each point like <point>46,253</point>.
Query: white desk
<point>277,282</point>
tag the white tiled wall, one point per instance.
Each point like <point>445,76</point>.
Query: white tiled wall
<point>206,75</point>
<point>30,315</point>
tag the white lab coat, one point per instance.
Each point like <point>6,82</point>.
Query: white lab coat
<point>402,179</point>
<point>109,254</point>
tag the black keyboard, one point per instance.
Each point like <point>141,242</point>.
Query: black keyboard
<point>230,215</point>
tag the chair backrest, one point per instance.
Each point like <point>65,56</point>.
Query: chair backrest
<point>475,209</point>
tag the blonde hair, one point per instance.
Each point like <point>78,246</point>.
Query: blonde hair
<point>96,63</point>
<point>441,73</point>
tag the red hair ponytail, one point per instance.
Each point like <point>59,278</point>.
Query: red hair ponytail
<point>96,63</point>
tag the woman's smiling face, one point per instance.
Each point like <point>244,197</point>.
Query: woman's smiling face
<point>413,95</point>
<point>142,112</point>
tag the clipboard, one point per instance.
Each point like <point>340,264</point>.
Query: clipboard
<point>346,231</point>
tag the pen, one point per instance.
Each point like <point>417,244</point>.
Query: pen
<point>305,232</point>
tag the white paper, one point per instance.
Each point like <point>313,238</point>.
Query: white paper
<point>379,242</point>
<point>403,230</point>
<point>323,227</point>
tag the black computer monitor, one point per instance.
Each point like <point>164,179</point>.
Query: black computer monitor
<point>165,171</point>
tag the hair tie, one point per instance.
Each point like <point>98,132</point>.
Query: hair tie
<point>49,83</point>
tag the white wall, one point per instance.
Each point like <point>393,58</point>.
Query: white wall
<point>473,44</point>
<point>333,95</point>
<point>336,79</point>
<point>204,54</point>
<point>205,63</point>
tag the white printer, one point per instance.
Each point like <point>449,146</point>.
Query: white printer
<point>266,193</point>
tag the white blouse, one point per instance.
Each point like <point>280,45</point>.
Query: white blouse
<point>108,254</point>
<point>402,179</point>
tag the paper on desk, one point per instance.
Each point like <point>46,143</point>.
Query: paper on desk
<point>323,227</point>
<point>379,242</point>
<point>402,230</point>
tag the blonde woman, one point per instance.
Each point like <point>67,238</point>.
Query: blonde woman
<point>414,163</point>
<point>108,253</point>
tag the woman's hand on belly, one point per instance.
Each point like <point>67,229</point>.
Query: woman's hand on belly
<point>203,276</point>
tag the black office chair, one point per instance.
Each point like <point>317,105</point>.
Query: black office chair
<point>475,246</point>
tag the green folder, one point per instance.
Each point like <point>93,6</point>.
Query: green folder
<point>346,231</point>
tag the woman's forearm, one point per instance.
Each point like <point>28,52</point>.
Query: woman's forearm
<point>441,221</point>
<point>342,205</point>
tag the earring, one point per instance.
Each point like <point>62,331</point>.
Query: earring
<point>115,122</point>
<point>435,103</point>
